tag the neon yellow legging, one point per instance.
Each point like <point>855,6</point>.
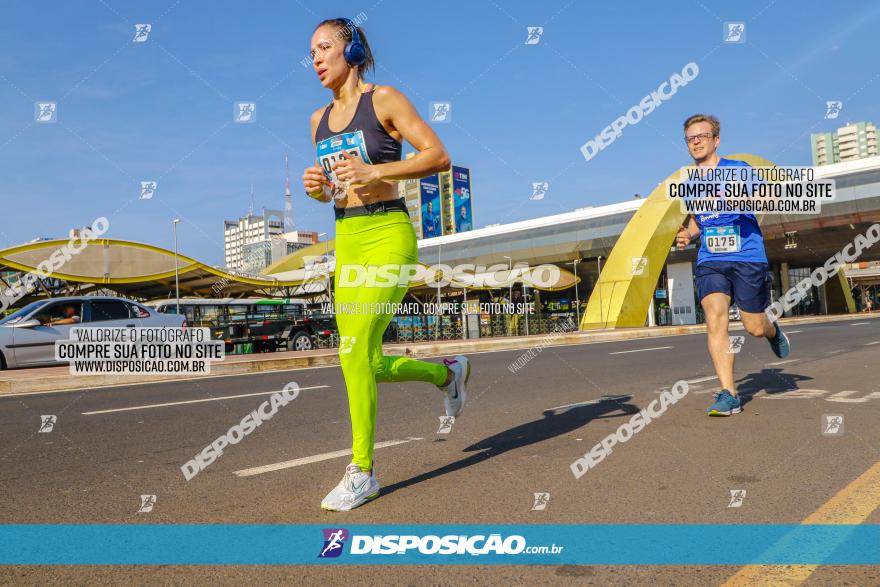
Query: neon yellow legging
<point>388,239</point>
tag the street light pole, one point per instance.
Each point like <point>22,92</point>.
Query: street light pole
<point>509,276</point>
<point>176,267</point>
<point>509,294</point>
<point>577,299</point>
<point>598,278</point>
<point>439,295</point>
<point>327,265</point>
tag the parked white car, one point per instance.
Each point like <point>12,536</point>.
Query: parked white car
<point>27,336</point>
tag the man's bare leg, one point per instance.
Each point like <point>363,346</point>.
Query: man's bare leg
<point>716,307</point>
<point>757,324</point>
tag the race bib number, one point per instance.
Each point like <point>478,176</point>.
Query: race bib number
<point>722,239</point>
<point>330,152</point>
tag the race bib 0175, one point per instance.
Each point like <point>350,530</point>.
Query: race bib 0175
<point>722,239</point>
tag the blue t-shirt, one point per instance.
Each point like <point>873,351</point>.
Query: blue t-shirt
<point>751,240</point>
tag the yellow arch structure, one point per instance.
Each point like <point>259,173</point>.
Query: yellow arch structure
<point>626,285</point>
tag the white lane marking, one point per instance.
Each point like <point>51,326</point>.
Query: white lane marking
<point>792,331</point>
<point>88,389</point>
<point>591,402</point>
<point>313,459</point>
<point>872,343</point>
<point>859,323</point>
<point>783,362</point>
<point>193,401</point>
<point>702,379</point>
<point>655,348</point>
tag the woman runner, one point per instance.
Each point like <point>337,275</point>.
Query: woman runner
<point>358,137</point>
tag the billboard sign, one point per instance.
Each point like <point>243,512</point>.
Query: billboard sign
<point>429,201</point>
<point>461,198</point>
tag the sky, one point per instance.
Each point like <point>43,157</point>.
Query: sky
<point>162,110</point>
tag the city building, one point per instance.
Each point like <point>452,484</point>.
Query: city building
<point>256,256</point>
<point>439,204</point>
<point>853,141</point>
<point>247,230</point>
<point>253,242</point>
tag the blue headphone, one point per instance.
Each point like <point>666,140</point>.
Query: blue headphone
<point>355,53</point>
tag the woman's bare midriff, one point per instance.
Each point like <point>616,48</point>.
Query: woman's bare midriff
<point>369,194</point>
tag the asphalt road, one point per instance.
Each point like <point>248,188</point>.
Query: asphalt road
<point>518,435</point>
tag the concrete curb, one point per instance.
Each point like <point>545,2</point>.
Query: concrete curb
<point>9,384</point>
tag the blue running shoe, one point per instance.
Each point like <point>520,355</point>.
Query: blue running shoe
<point>779,343</point>
<point>725,404</point>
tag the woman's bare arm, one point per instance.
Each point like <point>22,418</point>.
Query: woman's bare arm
<point>395,110</point>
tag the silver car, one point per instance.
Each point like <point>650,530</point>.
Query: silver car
<point>27,336</point>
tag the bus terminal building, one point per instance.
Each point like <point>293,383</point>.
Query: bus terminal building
<point>617,266</point>
<point>585,240</point>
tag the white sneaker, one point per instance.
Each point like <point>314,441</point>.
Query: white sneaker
<point>356,488</point>
<point>455,391</point>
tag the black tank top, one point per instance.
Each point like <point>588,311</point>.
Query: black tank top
<point>380,146</point>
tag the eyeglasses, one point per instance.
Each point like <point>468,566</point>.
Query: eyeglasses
<point>703,137</point>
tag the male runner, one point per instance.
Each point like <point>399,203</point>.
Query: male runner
<point>729,268</point>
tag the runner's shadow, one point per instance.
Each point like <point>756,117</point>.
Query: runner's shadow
<point>554,423</point>
<point>770,381</point>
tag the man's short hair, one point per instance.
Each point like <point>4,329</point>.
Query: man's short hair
<point>716,124</point>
